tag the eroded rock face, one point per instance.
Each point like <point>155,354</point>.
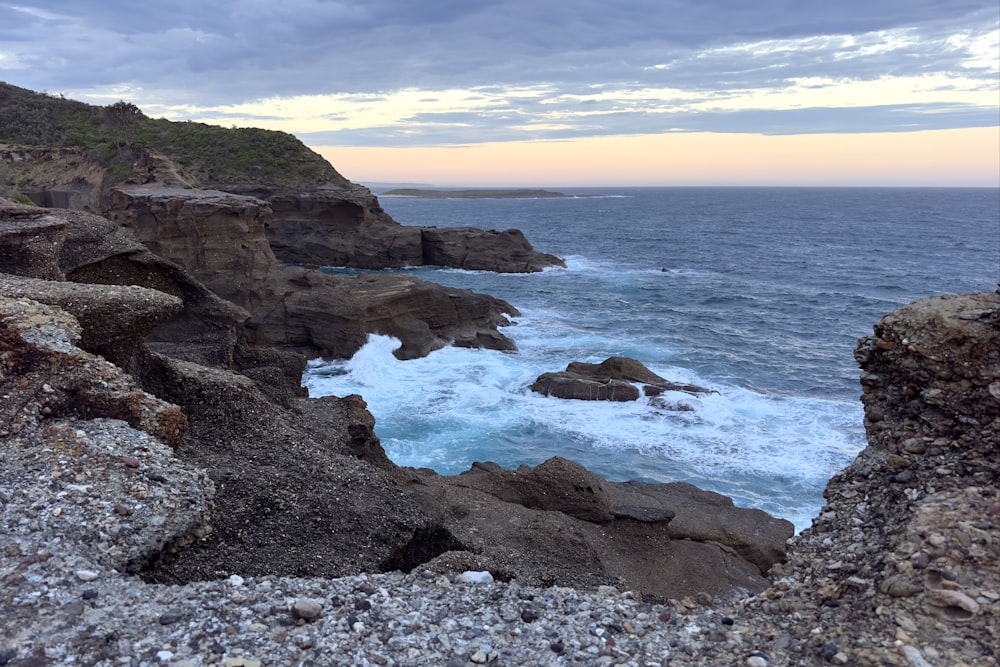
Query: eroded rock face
<point>614,379</point>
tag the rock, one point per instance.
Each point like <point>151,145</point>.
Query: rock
<point>614,379</point>
<point>555,485</point>
<point>955,605</point>
<point>913,656</point>
<point>306,609</point>
<point>30,241</point>
<point>471,577</point>
<point>560,524</point>
<point>346,226</point>
<point>45,339</point>
<point>171,617</point>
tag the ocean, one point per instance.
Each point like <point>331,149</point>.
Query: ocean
<point>757,293</point>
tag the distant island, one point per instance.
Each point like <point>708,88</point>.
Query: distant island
<point>471,194</point>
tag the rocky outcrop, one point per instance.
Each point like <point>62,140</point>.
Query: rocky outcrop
<point>346,226</point>
<point>559,524</point>
<point>219,238</point>
<point>81,422</point>
<point>900,566</point>
<point>614,379</point>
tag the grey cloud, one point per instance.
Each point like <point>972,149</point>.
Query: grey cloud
<point>212,53</point>
<point>429,129</point>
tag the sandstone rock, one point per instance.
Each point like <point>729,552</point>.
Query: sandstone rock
<point>614,379</point>
<point>556,485</point>
<point>483,250</point>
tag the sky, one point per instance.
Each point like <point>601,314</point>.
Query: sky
<point>553,92</point>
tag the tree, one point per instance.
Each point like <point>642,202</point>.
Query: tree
<point>123,116</point>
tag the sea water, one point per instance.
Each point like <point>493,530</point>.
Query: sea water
<point>759,294</point>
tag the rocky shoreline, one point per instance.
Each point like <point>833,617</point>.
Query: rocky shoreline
<point>900,567</point>
<point>171,496</point>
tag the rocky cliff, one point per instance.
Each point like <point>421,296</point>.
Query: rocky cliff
<point>344,225</point>
<point>899,568</point>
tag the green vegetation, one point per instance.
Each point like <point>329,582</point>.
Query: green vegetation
<point>115,133</point>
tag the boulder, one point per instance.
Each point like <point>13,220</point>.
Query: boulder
<point>300,491</point>
<point>30,242</point>
<point>614,379</point>
<point>80,438</point>
<point>557,485</point>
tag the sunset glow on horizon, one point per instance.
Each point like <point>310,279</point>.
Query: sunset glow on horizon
<point>968,157</point>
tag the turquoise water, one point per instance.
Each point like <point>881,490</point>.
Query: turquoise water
<point>757,293</point>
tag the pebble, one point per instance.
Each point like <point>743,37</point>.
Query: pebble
<point>959,605</point>
<point>306,609</point>
<point>756,661</point>
<point>473,577</point>
<point>170,617</point>
<point>86,575</point>
<point>913,657</point>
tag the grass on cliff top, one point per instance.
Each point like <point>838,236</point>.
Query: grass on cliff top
<point>210,153</point>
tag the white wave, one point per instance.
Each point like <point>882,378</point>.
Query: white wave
<point>457,406</point>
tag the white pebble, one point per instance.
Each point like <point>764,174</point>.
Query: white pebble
<point>86,575</point>
<point>236,580</point>
<point>914,658</point>
<point>756,661</point>
<point>472,577</point>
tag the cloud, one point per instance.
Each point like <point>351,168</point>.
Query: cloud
<point>395,72</point>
